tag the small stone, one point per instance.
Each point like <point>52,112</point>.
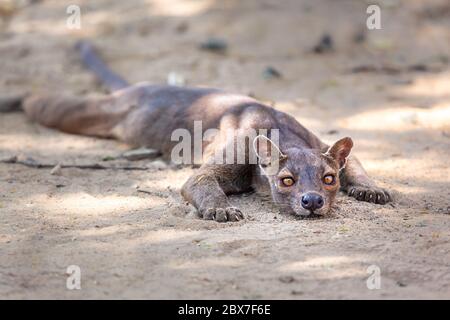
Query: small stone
<point>296,292</point>
<point>175,79</point>
<point>286,279</point>
<point>271,73</point>
<point>214,45</point>
<point>140,154</point>
<point>56,171</point>
<point>27,160</point>
<point>158,164</point>
<point>325,44</point>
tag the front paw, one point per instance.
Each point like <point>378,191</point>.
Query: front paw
<point>370,194</point>
<point>222,214</point>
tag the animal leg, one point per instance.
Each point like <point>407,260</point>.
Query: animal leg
<point>207,190</point>
<point>356,182</point>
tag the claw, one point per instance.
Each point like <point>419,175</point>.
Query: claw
<point>370,194</point>
<point>223,214</point>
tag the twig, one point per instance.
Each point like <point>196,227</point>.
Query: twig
<point>388,69</point>
<point>30,162</point>
<point>144,191</point>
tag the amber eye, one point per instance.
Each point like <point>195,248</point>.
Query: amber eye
<point>328,179</point>
<point>287,181</point>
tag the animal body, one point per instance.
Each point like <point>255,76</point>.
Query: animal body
<point>302,174</point>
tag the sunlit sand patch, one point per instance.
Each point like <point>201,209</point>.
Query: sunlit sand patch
<point>397,163</point>
<point>325,263</point>
<point>61,144</point>
<point>400,119</point>
<point>401,116</point>
<point>102,232</point>
<point>208,262</point>
<point>160,236</point>
<point>178,7</point>
<point>300,107</point>
<point>137,238</point>
<point>95,22</point>
<point>435,86</point>
<point>81,203</point>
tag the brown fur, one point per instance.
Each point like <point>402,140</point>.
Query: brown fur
<point>146,115</point>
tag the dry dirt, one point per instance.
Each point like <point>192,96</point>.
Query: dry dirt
<point>130,244</point>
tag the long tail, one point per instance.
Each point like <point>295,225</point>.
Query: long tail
<point>92,61</point>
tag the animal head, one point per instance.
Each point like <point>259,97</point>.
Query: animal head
<point>303,181</point>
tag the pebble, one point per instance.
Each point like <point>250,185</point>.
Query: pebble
<point>56,171</point>
<point>271,73</point>
<point>401,284</point>
<point>157,164</point>
<point>286,279</point>
<point>175,79</point>
<point>296,292</point>
<point>214,45</point>
<point>325,44</point>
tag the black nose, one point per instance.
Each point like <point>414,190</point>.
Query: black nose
<point>312,201</point>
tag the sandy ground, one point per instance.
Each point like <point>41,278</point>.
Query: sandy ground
<point>130,244</point>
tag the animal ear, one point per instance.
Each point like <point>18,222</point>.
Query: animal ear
<point>340,151</point>
<point>267,151</point>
